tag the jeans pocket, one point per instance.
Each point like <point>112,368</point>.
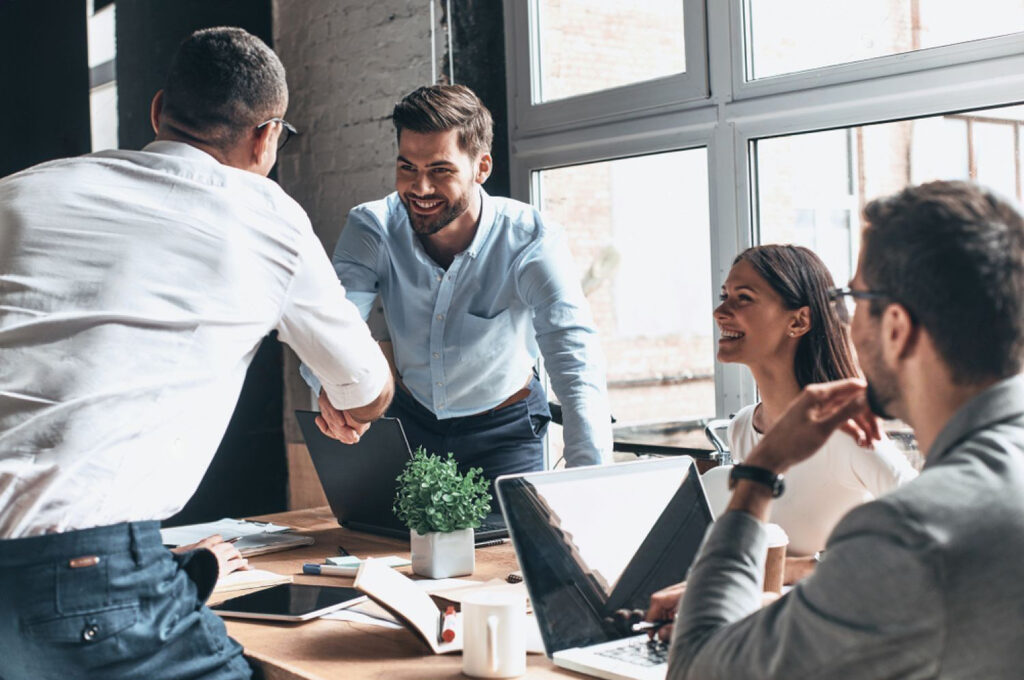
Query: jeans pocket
<point>83,587</point>
<point>84,639</point>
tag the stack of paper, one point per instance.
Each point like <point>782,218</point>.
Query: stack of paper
<point>254,538</point>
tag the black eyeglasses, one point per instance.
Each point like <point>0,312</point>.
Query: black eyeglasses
<point>287,130</point>
<point>842,300</point>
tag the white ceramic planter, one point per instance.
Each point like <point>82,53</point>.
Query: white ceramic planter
<point>440,555</point>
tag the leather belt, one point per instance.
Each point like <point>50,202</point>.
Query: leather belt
<point>514,398</point>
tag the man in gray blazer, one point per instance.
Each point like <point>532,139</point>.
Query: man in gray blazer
<point>926,581</point>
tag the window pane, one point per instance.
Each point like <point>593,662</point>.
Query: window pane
<point>590,45</point>
<point>811,187</point>
<point>785,36</point>
<point>639,232</point>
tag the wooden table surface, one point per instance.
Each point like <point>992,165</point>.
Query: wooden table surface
<point>341,649</point>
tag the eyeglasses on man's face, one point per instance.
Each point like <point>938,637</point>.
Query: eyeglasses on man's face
<point>844,299</point>
<point>287,130</point>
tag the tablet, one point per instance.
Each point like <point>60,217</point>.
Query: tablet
<point>289,602</point>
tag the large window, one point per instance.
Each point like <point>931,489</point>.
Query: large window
<point>641,239</point>
<point>102,82</point>
<point>786,36</point>
<point>759,121</point>
<point>811,186</point>
<point>588,45</point>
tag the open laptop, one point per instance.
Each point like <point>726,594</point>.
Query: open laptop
<point>597,539</point>
<point>359,479</point>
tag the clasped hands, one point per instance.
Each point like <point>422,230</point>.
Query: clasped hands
<point>337,424</point>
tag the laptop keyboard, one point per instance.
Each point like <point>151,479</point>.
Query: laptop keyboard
<point>639,652</point>
<point>490,526</point>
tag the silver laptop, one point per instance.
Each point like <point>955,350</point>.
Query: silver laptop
<point>594,540</point>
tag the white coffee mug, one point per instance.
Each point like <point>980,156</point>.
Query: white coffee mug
<point>494,635</point>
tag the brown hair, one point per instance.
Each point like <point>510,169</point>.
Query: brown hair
<point>802,280</point>
<point>439,108</point>
<point>952,253</point>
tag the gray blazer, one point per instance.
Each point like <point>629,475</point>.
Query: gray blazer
<point>924,582</point>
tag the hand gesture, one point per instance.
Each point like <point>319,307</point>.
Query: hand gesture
<point>809,421</point>
<point>337,424</point>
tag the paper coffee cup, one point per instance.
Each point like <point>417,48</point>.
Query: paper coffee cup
<point>775,564</point>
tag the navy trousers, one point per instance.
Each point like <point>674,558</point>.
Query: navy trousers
<point>501,442</point>
<point>110,602</point>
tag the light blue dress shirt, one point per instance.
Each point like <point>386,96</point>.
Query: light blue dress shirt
<point>467,337</point>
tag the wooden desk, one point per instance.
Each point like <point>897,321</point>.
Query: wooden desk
<point>342,649</point>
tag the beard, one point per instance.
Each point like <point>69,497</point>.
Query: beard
<point>425,225</point>
<point>878,403</point>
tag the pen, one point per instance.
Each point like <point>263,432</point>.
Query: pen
<point>650,626</point>
<point>446,633</point>
<point>343,552</point>
<point>328,570</point>
<point>233,540</point>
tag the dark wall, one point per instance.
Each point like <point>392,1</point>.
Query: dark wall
<point>478,42</point>
<point>149,31</point>
<point>44,75</point>
<point>248,475</point>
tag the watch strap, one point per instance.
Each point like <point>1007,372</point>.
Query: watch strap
<point>758,475</point>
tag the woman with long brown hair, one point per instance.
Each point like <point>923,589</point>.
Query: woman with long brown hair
<point>776,318</point>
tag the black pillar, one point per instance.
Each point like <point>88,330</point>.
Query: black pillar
<point>44,77</point>
<point>149,31</point>
<point>478,42</point>
<point>249,473</point>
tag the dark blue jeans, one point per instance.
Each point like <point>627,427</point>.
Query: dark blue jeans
<point>110,602</point>
<point>501,442</point>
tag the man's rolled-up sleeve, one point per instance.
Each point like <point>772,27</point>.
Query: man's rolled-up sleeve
<point>329,334</point>
<point>568,341</point>
<point>873,607</point>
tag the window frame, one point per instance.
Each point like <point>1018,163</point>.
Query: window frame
<point>734,113</point>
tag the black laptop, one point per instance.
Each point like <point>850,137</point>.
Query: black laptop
<point>594,540</point>
<point>359,480</point>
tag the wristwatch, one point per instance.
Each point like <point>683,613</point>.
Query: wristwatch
<point>759,475</point>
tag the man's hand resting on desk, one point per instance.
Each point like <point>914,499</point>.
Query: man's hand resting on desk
<point>228,557</point>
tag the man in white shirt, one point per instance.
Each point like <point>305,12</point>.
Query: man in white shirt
<point>135,288</point>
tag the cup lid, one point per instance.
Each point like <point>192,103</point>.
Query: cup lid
<point>777,536</point>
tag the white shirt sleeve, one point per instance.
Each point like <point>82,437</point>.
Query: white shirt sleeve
<point>328,332</point>
<point>878,470</point>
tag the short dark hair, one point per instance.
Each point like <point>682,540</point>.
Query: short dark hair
<point>439,108</point>
<point>952,253</point>
<point>802,280</point>
<point>222,82</point>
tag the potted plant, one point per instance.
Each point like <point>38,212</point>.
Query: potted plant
<point>441,507</point>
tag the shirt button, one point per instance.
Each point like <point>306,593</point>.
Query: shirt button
<point>437,355</point>
<point>440,384</point>
<point>439,277</point>
<point>90,632</point>
<point>440,317</point>
<point>441,405</point>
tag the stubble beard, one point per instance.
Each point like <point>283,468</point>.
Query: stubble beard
<point>427,226</point>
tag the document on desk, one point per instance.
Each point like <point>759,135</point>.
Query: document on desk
<point>244,579</point>
<point>253,538</point>
<point>407,602</point>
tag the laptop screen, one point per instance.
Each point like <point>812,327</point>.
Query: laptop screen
<point>596,539</point>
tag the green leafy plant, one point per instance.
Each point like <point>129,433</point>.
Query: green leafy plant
<point>434,496</point>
